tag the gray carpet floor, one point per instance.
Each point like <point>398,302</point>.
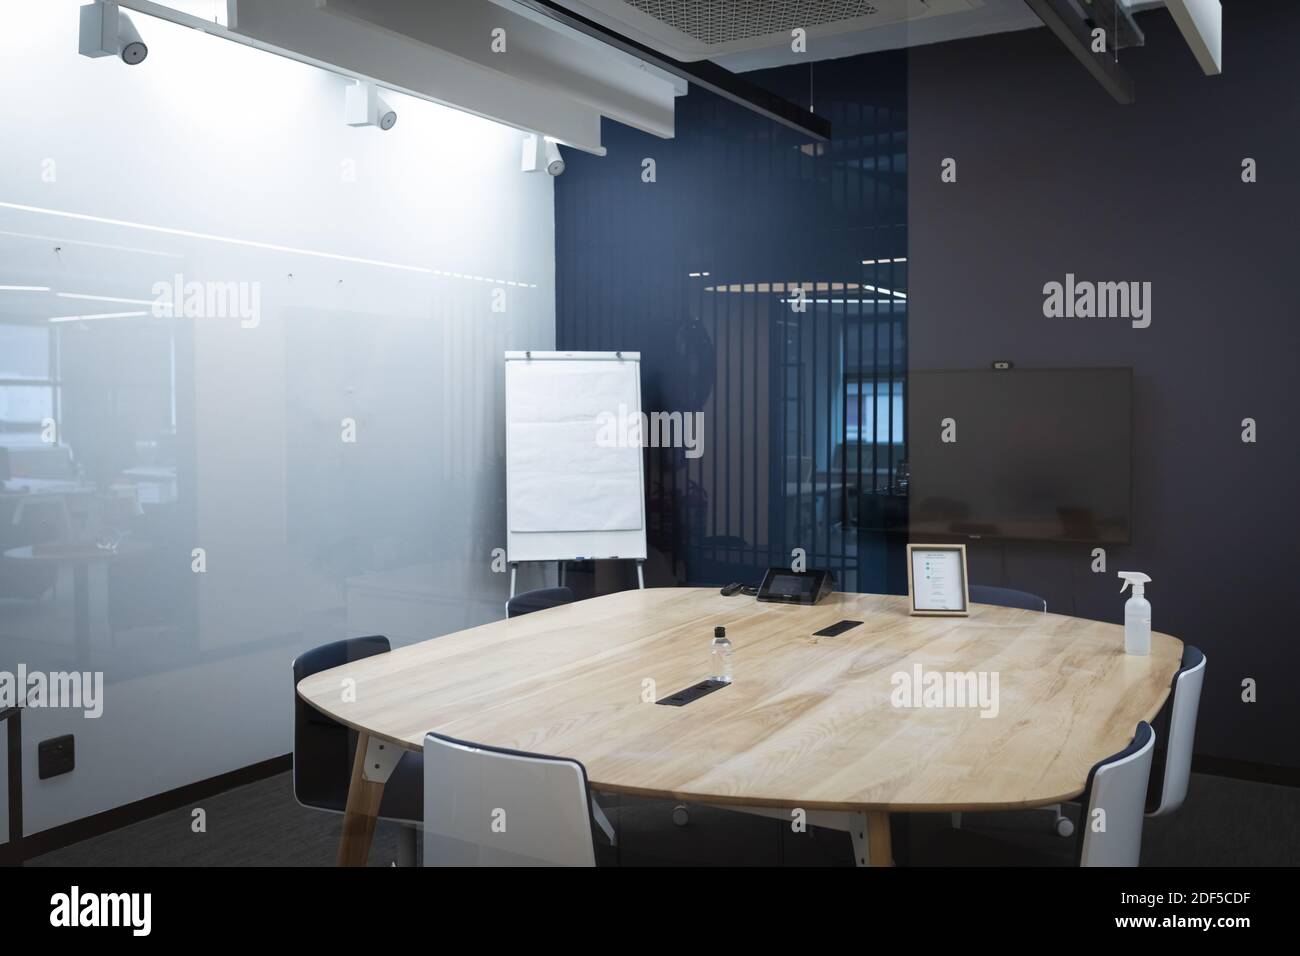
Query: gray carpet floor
<point>1223,823</point>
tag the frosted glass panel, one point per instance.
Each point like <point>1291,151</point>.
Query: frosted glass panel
<point>24,352</point>
<point>276,383</point>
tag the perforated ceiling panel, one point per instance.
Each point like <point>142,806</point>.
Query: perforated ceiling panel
<point>695,29</point>
<point>725,21</point>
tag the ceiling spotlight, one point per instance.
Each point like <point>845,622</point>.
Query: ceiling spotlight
<point>542,153</point>
<point>107,31</point>
<point>364,106</point>
<point>554,161</point>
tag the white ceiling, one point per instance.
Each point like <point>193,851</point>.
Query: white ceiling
<point>994,16</point>
<point>555,80</point>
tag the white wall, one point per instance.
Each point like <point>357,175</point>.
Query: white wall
<point>307,538</point>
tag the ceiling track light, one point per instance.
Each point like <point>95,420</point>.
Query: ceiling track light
<point>554,161</point>
<point>363,106</point>
<point>107,31</point>
<point>542,152</point>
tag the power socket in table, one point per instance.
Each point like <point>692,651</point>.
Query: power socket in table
<point>694,692</point>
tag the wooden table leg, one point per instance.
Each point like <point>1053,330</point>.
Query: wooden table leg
<point>878,839</point>
<point>871,842</point>
<point>364,796</point>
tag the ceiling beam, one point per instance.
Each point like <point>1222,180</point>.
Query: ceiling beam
<point>702,73</point>
<point>1060,17</point>
<point>1201,22</point>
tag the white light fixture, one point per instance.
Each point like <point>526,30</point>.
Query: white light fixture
<point>100,315</point>
<point>876,288</point>
<point>541,152</point>
<point>363,106</point>
<point>231,240</point>
<point>107,31</point>
<point>103,298</point>
<point>189,234</point>
<point>895,303</point>
<point>65,241</point>
<point>533,155</point>
<point>554,161</point>
<point>24,288</point>
<point>882,262</point>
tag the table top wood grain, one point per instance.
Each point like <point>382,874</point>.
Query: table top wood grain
<point>810,722</point>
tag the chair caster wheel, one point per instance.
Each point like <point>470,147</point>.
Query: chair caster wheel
<point>1064,827</point>
<point>681,816</point>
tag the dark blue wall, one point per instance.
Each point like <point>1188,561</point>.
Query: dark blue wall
<point>751,203</point>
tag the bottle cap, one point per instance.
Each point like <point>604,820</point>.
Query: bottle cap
<point>1135,578</point>
<point>719,632</point>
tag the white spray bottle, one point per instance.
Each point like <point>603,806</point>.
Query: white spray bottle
<point>1137,614</point>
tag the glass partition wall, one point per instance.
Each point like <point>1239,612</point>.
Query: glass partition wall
<point>765,283</point>
<point>250,388</point>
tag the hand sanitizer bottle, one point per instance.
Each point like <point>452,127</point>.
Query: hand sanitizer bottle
<point>720,652</point>
<point>1137,614</point>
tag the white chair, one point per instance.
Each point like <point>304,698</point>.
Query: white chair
<point>1173,762</point>
<point>1115,802</point>
<point>487,806</point>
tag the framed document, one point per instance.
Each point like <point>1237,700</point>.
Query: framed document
<point>936,579</point>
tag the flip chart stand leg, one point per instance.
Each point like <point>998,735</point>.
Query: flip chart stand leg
<point>640,574</point>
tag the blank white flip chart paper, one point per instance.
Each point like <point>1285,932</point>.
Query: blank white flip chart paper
<point>574,470</point>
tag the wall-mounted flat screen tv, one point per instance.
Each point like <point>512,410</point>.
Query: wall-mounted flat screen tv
<point>1040,454</point>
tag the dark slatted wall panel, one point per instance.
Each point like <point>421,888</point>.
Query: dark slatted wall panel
<point>803,442</point>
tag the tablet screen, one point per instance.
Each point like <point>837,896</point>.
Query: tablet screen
<point>791,585</point>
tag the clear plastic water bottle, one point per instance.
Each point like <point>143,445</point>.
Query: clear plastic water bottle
<point>720,655</point>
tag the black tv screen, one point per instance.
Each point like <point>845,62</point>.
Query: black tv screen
<point>1038,454</point>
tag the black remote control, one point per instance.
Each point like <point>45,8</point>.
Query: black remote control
<point>731,589</point>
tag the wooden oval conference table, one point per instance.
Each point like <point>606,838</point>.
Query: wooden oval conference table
<point>817,723</point>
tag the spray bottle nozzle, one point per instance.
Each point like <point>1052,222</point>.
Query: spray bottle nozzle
<point>1135,578</point>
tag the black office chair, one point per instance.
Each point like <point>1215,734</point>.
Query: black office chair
<point>1006,597</point>
<point>538,600</point>
<point>323,749</point>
